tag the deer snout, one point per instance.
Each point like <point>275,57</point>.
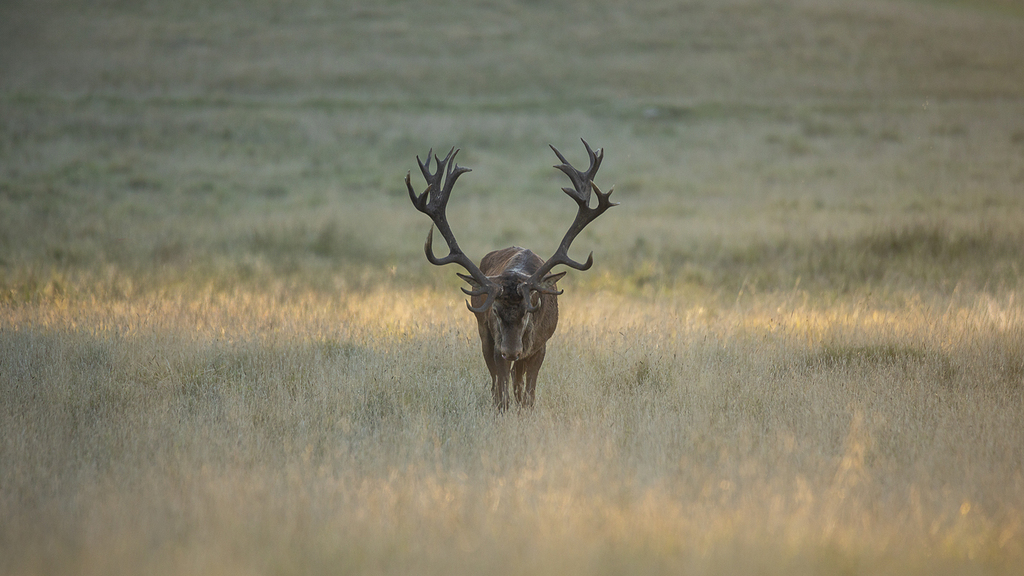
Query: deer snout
<point>511,356</point>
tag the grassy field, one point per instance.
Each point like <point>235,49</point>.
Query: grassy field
<point>800,350</point>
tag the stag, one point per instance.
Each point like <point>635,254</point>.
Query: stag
<point>513,293</point>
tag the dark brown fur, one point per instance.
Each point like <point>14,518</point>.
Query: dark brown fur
<point>514,340</point>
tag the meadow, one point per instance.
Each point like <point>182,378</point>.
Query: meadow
<point>800,349</point>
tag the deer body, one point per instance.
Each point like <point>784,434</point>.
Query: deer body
<point>512,292</point>
<point>514,340</point>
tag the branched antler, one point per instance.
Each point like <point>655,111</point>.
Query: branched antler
<point>433,202</point>
<point>582,182</point>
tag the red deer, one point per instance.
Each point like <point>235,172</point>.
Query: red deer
<point>513,292</point>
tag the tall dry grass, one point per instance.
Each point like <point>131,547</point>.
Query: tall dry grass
<point>286,432</point>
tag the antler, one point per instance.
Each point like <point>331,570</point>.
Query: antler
<point>433,202</point>
<point>582,182</point>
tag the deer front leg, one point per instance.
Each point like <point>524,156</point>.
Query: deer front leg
<point>518,372</point>
<point>525,375</point>
<point>499,382</point>
<point>496,365</point>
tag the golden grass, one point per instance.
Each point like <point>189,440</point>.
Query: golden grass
<point>353,432</point>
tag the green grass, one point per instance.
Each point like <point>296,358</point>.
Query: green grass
<point>799,349</point>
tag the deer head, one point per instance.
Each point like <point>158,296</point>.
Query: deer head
<point>434,200</point>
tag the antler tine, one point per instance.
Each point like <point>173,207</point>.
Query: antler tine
<point>433,202</point>
<point>425,166</point>
<point>580,179</point>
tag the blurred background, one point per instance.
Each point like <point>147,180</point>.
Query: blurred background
<point>834,145</point>
<point>800,349</point>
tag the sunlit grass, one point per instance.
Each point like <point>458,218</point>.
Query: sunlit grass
<point>355,432</point>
